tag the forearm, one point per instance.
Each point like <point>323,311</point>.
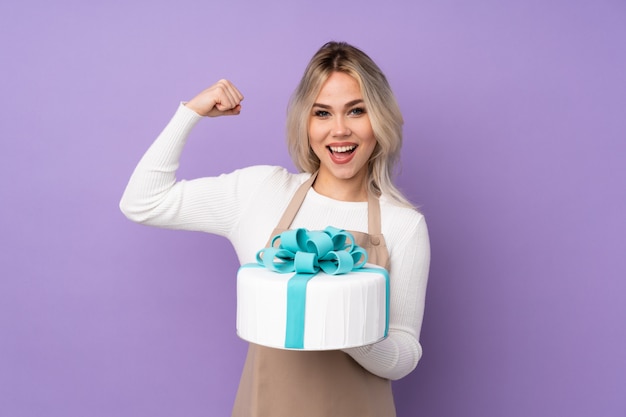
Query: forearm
<point>397,355</point>
<point>393,358</point>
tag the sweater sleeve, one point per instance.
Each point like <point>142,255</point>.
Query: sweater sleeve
<point>155,197</point>
<point>398,354</point>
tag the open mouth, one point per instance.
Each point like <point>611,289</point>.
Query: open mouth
<point>342,154</point>
<point>342,150</point>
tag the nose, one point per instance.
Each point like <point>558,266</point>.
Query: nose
<point>340,128</point>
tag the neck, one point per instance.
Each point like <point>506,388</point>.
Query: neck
<point>353,189</point>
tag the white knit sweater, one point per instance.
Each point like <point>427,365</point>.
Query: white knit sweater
<point>246,205</point>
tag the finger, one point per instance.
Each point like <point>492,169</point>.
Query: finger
<point>232,91</point>
<point>234,111</point>
<point>229,112</point>
<point>227,98</point>
<point>236,92</point>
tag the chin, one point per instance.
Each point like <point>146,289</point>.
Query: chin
<point>344,175</point>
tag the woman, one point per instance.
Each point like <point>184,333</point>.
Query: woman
<point>344,135</point>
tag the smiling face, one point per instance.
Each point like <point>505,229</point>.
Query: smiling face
<point>341,135</point>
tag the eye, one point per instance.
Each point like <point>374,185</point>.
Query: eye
<point>357,111</point>
<point>321,113</point>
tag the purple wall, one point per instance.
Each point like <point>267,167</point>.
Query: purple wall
<point>515,150</point>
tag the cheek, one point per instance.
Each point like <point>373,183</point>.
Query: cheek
<point>315,133</point>
<point>312,138</point>
<point>372,146</point>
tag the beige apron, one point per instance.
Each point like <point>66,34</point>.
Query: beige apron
<point>290,383</point>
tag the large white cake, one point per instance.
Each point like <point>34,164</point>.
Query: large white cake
<point>341,311</point>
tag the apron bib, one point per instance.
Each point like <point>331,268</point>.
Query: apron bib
<point>289,383</point>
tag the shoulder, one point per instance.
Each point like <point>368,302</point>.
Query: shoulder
<point>263,182</point>
<point>270,175</point>
<point>401,222</point>
<point>394,212</point>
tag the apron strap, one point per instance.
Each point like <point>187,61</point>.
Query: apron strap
<point>373,208</point>
<point>373,215</point>
<point>295,203</point>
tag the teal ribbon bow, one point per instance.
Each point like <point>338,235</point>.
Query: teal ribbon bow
<point>306,253</point>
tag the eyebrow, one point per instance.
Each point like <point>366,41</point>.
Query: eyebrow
<point>348,104</point>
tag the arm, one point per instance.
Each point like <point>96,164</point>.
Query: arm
<point>397,355</point>
<point>154,196</point>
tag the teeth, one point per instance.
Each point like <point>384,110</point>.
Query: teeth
<point>342,148</point>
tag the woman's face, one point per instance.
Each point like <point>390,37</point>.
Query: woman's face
<point>340,133</point>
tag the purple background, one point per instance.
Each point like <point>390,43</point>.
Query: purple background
<point>515,150</point>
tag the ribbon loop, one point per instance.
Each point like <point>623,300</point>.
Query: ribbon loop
<point>305,263</point>
<point>307,252</point>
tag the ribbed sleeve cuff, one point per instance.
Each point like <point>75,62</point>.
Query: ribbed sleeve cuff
<point>186,115</point>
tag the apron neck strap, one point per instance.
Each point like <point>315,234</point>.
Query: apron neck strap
<point>373,215</point>
<point>373,208</point>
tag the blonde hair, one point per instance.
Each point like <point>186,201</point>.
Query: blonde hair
<point>380,102</point>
